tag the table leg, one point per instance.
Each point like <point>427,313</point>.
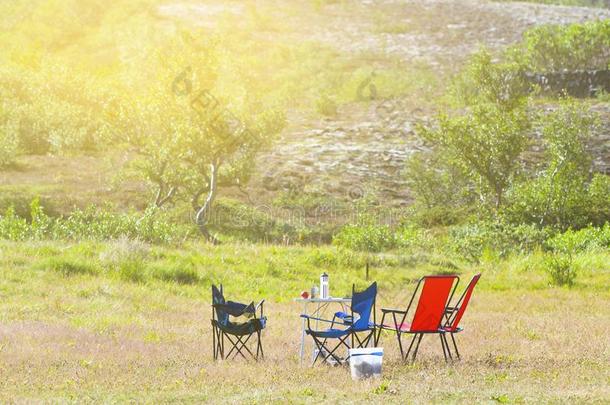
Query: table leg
<point>302,354</point>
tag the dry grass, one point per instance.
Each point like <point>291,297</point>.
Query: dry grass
<point>96,338</point>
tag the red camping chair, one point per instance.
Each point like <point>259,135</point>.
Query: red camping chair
<point>453,314</point>
<point>436,292</point>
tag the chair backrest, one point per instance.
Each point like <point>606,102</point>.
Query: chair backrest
<point>363,303</point>
<point>463,303</point>
<point>432,303</point>
<point>218,298</point>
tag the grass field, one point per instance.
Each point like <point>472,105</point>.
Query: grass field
<point>77,325</point>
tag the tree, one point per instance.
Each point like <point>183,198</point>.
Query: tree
<point>485,144</point>
<point>435,182</point>
<point>192,138</point>
<point>502,83</point>
<point>563,193</point>
<point>219,152</point>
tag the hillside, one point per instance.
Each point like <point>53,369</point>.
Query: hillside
<point>392,60</point>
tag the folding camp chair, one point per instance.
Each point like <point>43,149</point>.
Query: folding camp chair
<point>358,326</point>
<point>435,294</point>
<point>236,333</point>
<point>453,314</point>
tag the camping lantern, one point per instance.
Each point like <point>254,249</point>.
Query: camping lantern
<point>324,289</point>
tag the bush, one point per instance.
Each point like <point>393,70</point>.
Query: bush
<point>562,195</point>
<point>131,270</point>
<point>439,187</point>
<point>92,223</point>
<point>439,216</point>
<point>472,240</point>
<point>13,227</point>
<point>232,218</point>
<point>485,81</point>
<point>587,239</point>
<point>552,48</point>
<point>124,249</point>
<point>561,269</point>
<point>368,238</point>
<point>409,236</point>
<point>322,258</point>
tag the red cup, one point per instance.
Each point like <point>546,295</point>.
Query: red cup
<point>304,295</point>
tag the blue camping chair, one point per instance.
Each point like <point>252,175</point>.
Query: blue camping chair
<point>358,327</point>
<point>236,333</point>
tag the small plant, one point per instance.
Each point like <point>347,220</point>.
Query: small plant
<point>131,270</point>
<point>326,106</point>
<point>561,269</point>
<point>124,249</point>
<point>382,388</point>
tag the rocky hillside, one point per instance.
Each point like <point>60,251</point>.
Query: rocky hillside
<point>367,144</point>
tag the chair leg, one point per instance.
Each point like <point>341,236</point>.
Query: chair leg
<point>239,345</point>
<point>421,335</point>
<point>213,342</point>
<point>440,335</point>
<point>399,338</point>
<point>259,346</point>
<point>447,346</point>
<point>364,342</point>
<point>457,353</point>
<point>321,346</point>
<point>217,342</point>
<point>222,346</point>
<point>342,341</point>
<point>406,355</point>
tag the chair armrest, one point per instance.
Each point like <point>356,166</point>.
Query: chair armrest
<point>236,308</point>
<point>395,311</point>
<point>304,316</point>
<point>260,305</point>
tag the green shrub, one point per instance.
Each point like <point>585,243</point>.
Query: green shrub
<point>472,240</point>
<point>562,195</point>
<point>265,224</point>
<point>41,224</point>
<point>322,258</point>
<point>367,238</point>
<point>561,269</point>
<point>123,249</point>
<point>553,48</point>
<point>439,216</point>
<point>485,81</point>
<point>440,187</point>
<point>586,239</point>
<point>13,227</point>
<point>409,236</point>
<point>132,270</point>
<point>92,223</point>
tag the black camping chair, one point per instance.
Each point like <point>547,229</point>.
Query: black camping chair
<point>236,333</point>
